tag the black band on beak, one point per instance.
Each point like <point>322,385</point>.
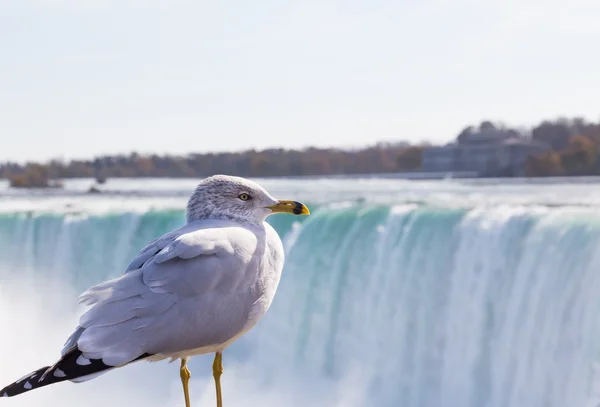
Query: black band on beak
<point>298,207</point>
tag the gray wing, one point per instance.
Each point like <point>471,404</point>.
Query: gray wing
<point>179,293</point>
<point>158,244</point>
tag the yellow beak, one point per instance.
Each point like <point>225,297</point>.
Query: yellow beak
<point>292,207</point>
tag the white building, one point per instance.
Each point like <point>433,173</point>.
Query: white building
<point>487,152</point>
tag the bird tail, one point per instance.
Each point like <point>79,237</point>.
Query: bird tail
<point>71,366</point>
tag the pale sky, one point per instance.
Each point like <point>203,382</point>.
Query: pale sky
<point>80,78</point>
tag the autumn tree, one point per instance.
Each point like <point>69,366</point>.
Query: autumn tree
<point>580,156</point>
<point>556,134</point>
<point>410,159</point>
<point>545,165</point>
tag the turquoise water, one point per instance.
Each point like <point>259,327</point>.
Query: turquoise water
<point>426,294</point>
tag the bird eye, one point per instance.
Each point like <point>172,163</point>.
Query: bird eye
<point>244,197</point>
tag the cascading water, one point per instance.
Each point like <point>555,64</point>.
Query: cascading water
<point>399,305</point>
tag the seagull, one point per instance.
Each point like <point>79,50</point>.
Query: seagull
<point>190,292</point>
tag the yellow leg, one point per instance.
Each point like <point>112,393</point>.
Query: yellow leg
<point>217,372</point>
<point>185,375</point>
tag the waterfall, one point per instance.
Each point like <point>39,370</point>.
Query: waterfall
<point>411,305</point>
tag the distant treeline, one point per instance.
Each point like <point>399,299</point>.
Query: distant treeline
<point>575,147</point>
<point>380,158</point>
<point>575,150</point>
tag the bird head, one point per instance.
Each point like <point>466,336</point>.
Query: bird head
<point>227,197</point>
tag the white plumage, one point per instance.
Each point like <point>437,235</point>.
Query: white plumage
<point>209,282</point>
<point>192,291</point>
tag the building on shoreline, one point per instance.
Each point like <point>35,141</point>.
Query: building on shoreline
<point>487,151</point>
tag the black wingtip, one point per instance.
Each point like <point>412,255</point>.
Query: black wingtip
<point>71,366</point>
<point>24,384</point>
